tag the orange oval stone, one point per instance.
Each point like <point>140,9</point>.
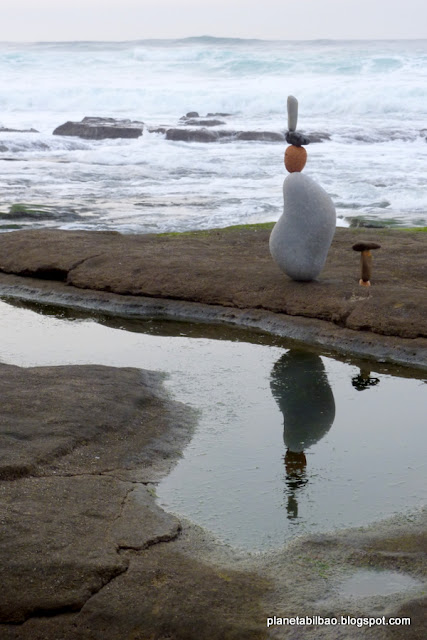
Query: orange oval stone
<point>295,158</point>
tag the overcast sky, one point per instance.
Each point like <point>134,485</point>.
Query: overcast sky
<point>35,20</point>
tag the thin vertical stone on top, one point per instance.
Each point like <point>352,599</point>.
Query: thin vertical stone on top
<point>292,113</point>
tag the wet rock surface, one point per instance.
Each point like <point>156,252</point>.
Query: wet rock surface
<point>201,134</point>
<point>191,128</point>
<point>19,214</point>
<point>203,122</point>
<point>7,130</point>
<point>94,128</point>
<point>81,447</point>
<point>85,551</point>
<point>63,437</point>
<point>233,268</point>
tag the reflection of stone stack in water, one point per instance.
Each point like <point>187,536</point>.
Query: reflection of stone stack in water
<point>302,391</point>
<point>300,240</point>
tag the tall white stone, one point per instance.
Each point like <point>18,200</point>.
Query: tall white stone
<point>292,106</point>
<point>300,240</point>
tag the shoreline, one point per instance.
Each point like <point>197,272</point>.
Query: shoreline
<point>227,276</point>
<point>314,333</point>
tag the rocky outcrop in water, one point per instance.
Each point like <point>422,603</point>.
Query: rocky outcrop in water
<point>20,214</point>
<point>203,122</point>
<point>93,128</point>
<point>192,135</point>
<point>207,135</point>
<point>7,130</point>
<point>227,135</point>
<point>193,129</point>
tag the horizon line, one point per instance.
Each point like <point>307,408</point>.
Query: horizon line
<point>213,38</point>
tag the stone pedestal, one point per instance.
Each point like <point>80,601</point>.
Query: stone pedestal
<point>300,240</point>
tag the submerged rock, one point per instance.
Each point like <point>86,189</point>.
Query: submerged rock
<point>192,135</point>
<point>203,122</point>
<point>205,135</point>
<point>7,130</point>
<point>93,128</point>
<point>42,214</point>
<point>227,135</point>
<point>262,136</point>
<point>300,240</point>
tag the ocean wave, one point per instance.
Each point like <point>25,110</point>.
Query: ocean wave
<point>369,97</point>
<point>21,144</point>
<point>331,79</point>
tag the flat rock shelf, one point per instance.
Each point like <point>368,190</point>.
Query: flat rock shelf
<point>231,272</point>
<point>92,430</point>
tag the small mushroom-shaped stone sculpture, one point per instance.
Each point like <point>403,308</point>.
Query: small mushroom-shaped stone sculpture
<point>365,249</point>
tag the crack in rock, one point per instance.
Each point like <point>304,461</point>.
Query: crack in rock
<point>167,537</point>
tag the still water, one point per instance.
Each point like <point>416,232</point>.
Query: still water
<point>288,441</point>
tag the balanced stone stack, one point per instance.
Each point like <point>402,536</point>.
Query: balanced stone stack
<point>300,240</point>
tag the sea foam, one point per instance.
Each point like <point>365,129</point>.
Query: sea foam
<point>369,97</point>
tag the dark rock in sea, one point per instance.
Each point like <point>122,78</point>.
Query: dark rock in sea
<point>364,223</point>
<point>261,136</point>
<point>203,122</point>
<point>40,214</point>
<point>93,128</point>
<point>7,130</point>
<point>204,135</point>
<point>318,136</point>
<point>194,114</point>
<point>191,135</point>
<point>225,135</point>
<point>296,138</point>
<point>157,129</point>
<point>13,147</point>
